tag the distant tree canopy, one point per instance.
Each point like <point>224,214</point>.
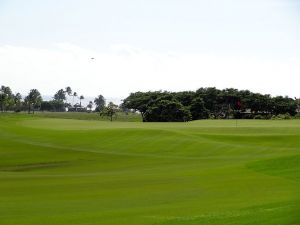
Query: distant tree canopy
<point>53,105</point>
<point>162,106</point>
<point>167,111</point>
<point>207,103</point>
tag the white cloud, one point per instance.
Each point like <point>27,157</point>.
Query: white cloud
<point>127,69</point>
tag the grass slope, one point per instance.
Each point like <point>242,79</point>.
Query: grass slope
<point>63,171</point>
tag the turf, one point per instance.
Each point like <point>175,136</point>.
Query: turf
<point>84,172</point>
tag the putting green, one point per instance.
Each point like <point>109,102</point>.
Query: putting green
<point>212,172</point>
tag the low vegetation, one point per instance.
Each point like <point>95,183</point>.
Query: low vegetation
<point>119,116</point>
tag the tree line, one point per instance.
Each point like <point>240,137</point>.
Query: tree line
<point>15,102</point>
<point>33,101</point>
<point>60,102</point>
<point>208,103</point>
<point>161,106</point>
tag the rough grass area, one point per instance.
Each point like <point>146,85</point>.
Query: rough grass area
<point>88,172</point>
<point>120,116</point>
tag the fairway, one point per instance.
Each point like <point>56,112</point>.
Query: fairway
<point>86,172</point>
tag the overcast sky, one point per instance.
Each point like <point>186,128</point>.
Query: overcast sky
<point>141,45</point>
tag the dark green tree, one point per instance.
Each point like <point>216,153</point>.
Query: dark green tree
<point>6,98</point>
<point>90,105</point>
<point>167,111</point>
<point>68,91</point>
<point>211,99</point>
<point>33,100</point>
<point>284,105</point>
<point>198,109</point>
<point>100,103</point>
<point>110,111</point>
<point>18,102</point>
<point>74,95</point>
<point>184,97</point>
<point>80,99</point>
<point>60,95</point>
<point>141,101</point>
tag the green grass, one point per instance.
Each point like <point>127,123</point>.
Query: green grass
<point>120,116</point>
<point>88,172</point>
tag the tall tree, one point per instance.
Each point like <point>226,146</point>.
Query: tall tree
<point>2,98</point>
<point>90,105</point>
<point>60,95</point>
<point>33,100</point>
<point>100,103</point>
<point>6,97</point>
<point>18,102</point>
<point>74,95</point>
<point>68,91</point>
<point>81,98</point>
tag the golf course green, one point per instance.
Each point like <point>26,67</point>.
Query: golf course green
<point>86,172</point>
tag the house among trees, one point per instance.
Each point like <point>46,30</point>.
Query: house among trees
<point>77,108</point>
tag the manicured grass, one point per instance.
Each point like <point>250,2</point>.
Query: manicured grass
<point>86,172</point>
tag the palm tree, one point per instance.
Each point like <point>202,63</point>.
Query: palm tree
<point>100,103</point>
<point>74,95</point>
<point>81,98</point>
<point>68,91</point>
<point>60,95</point>
<point>90,105</point>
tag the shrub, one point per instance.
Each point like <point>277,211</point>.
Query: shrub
<point>285,116</point>
<point>297,116</point>
<point>248,116</point>
<point>259,117</point>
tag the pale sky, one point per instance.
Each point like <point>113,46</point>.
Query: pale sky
<point>141,45</point>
